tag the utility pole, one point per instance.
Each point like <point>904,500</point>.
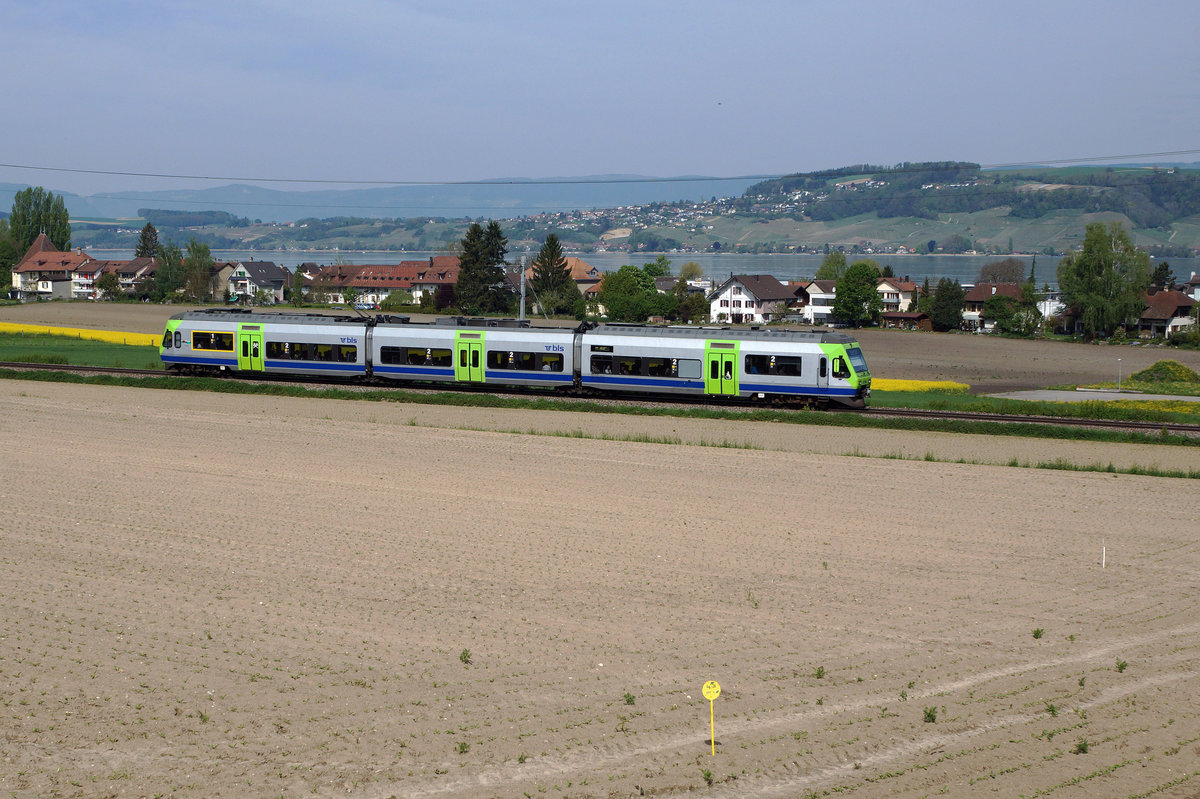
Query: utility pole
<point>522,287</point>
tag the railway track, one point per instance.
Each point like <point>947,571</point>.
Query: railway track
<point>1180,428</point>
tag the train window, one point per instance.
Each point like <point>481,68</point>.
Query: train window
<point>630,366</point>
<point>167,339</point>
<point>497,359</point>
<point>416,356</point>
<point>245,348</point>
<point>440,357</point>
<point>660,367</point>
<point>552,363</point>
<point>474,359</point>
<point>602,365</point>
<point>527,361</point>
<point>347,353</point>
<point>212,341</point>
<point>276,349</point>
<point>822,370</point>
<point>715,369</point>
<point>178,339</point>
<point>324,352</point>
<point>462,357</point>
<point>689,369</point>
<point>758,365</point>
<point>839,367</point>
<point>788,367</point>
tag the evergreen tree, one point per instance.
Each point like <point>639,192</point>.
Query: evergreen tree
<point>147,246</point>
<point>480,287</point>
<point>946,307</point>
<point>550,272</point>
<point>35,211</point>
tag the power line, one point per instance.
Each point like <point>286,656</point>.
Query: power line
<point>346,182</point>
<point>549,182</point>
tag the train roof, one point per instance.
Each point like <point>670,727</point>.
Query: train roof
<point>753,333</point>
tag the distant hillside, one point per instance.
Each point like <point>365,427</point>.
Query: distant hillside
<point>1149,197</point>
<point>499,199</point>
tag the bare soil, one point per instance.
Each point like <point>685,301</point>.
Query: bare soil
<point>219,596</point>
<point>986,363</point>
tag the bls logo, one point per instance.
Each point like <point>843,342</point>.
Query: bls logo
<point>555,348</point>
<point>349,339</point>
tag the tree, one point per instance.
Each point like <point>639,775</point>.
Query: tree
<point>480,286</point>
<point>297,293</point>
<point>659,267</point>
<point>35,211</point>
<point>9,254</point>
<point>925,297</point>
<point>147,246</point>
<point>857,301</point>
<point>629,295</point>
<point>1008,270</point>
<point>887,271</point>
<point>691,271</point>
<point>197,270</point>
<point>169,275</point>
<point>109,285</point>
<point>832,266</point>
<point>954,243</point>
<point>1163,277</point>
<point>946,307</point>
<point>1105,282</point>
<point>550,271</point>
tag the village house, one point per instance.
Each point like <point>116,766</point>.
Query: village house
<point>1166,312</point>
<point>1192,287</point>
<point>747,299</point>
<point>898,295</point>
<point>373,283</point>
<point>45,272</point>
<point>247,278</point>
<point>977,297</point>
<point>815,301</point>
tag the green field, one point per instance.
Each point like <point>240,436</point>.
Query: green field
<point>39,348</point>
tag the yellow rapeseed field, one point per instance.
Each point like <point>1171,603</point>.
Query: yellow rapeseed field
<point>113,337</point>
<point>947,386</point>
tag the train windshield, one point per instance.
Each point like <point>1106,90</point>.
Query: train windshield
<point>856,360</point>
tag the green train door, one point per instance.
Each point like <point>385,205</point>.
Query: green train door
<point>250,348</point>
<point>468,357</point>
<point>720,368</point>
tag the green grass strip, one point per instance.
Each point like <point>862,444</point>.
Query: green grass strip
<point>473,400</point>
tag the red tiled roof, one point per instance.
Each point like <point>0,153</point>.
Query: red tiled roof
<point>1166,305</point>
<point>982,291</point>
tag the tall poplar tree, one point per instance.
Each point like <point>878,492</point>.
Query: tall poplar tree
<point>35,211</point>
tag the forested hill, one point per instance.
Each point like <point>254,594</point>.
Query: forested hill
<point>1151,197</point>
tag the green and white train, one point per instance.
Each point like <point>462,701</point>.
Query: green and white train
<point>763,363</point>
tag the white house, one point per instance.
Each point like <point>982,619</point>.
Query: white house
<point>749,299</point>
<point>816,301</point>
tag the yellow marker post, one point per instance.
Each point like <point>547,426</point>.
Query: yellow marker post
<point>711,690</point>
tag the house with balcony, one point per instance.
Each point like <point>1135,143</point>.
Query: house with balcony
<point>815,301</point>
<point>45,272</point>
<point>750,299</point>
<point>898,295</point>
<point>1166,313</point>
<point>247,278</point>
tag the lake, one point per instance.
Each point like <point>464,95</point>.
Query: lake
<point>717,267</point>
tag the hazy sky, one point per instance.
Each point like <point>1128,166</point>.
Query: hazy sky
<point>371,90</point>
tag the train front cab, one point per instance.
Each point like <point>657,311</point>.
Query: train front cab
<point>843,375</point>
